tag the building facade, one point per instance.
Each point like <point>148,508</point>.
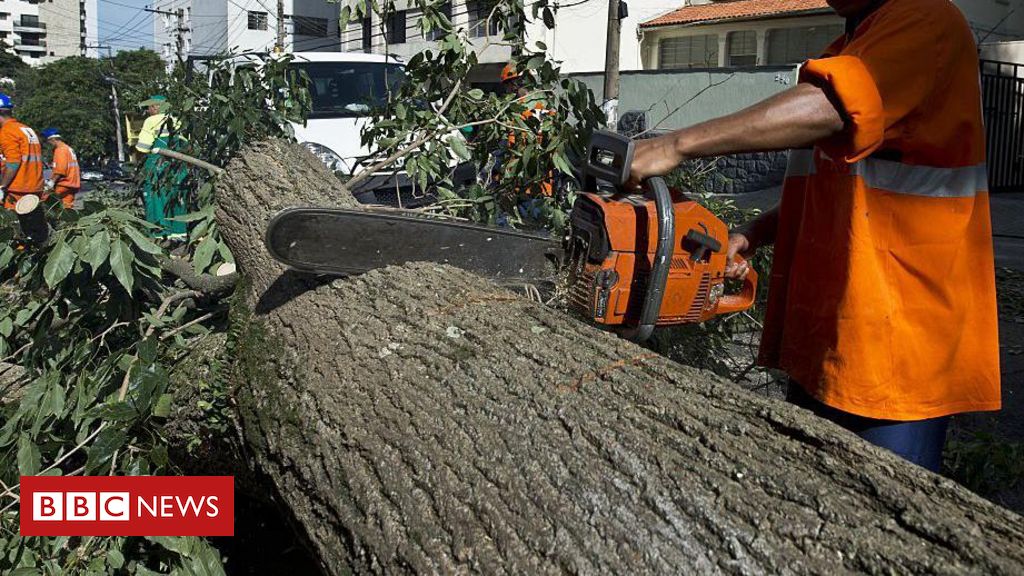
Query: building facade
<point>183,28</point>
<point>41,32</point>
<point>696,33</point>
<point>746,33</point>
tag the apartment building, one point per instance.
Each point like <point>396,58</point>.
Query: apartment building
<point>184,28</point>
<point>47,30</point>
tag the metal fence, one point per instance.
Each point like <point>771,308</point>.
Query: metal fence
<point>1002,91</point>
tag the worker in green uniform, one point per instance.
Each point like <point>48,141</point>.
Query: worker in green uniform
<point>163,190</point>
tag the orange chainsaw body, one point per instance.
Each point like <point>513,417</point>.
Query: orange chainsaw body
<point>613,243</point>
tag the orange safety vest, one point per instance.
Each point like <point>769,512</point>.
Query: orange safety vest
<point>65,163</point>
<point>882,298</point>
<point>20,145</point>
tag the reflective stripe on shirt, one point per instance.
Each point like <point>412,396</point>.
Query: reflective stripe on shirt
<point>900,178</point>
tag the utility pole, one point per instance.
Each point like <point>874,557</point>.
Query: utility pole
<point>279,46</point>
<point>180,33</point>
<point>179,29</point>
<point>113,94</point>
<point>616,11</point>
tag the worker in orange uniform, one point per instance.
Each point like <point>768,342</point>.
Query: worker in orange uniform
<point>512,81</point>
<point>882,305</point>
<point>66,179</point>
<point>23,153</point>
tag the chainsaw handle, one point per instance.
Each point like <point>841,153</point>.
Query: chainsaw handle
<point>743,300</point>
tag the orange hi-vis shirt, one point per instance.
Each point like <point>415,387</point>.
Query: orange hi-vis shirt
<point>65,163</point>
<point>20,145</point>
<point>882,298</point>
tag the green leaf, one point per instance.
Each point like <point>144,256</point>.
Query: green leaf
<point>204,254</point>
<point>28,456</point>
<point>144,244</point>
<point>163,406</point>
<point>459,147</point>
<point>53,400</point>
<point>115,559</point>
<point>26,313</point>
<point>121,258</point>
<point>58,263</point>
<point>97,250</point>
<point>118,412</point>
<point>476,94</point>
<point>6,327</point>
<point>103,448</point>
<point>562,164</point>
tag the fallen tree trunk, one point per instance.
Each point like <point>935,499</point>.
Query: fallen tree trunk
<point>420,419</point>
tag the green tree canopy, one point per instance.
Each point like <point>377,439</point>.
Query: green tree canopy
<point>69,94</point>
<point>138,74</point>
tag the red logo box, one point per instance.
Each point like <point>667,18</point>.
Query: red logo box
<point>127,506</point>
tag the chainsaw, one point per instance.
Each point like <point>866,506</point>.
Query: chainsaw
<point>632,261</point>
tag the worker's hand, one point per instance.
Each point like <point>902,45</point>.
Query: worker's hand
<point>653,157</point>
<point>738,244</point>
<point>48,185</point>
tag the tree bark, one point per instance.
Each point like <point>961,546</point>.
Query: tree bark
<point>421,419</point>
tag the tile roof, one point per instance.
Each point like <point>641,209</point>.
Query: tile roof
<point>733,10</point>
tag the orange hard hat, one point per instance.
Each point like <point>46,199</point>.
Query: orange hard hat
<point>509,72</point>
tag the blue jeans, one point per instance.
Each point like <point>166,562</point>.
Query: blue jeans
<point>919,441</point>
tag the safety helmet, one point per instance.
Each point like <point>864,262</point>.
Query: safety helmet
<point>50,133</point>
<point>5,102</point>
<point>509,72</point>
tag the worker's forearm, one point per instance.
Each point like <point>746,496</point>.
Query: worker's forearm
<point>796,118</point>
<point>11,170</point>
<point>761,231</point>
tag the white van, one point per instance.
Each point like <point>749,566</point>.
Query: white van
<point>344,87</point>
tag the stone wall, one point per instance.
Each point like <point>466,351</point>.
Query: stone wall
<point>742,173</point>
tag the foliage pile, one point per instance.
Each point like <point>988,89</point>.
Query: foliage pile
<point>100,328</point>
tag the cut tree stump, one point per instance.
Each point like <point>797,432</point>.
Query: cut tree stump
<point>421,419</point>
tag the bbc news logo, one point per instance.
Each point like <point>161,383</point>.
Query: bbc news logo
<point>127,506</point>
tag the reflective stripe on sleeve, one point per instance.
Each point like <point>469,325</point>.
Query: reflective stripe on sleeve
<point>899,178</point>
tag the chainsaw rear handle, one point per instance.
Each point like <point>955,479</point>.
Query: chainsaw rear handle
<point>658,277</point>
<point>745,299</point>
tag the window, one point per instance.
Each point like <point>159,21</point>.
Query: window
<point>4,15</point>
<point>257,20</point>
<point>367,34</point>
<point>794,45</point>
<point>743,48</point>
<point>308,26</point>
<point>397,24</point>
<point>478,13</point>
<point>349,89</point>
<point>437,34</point>
<point>688,52</point>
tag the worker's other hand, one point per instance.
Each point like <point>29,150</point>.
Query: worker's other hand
<point>48,186</point>
<point>653,157</point>
<point>738,244</point>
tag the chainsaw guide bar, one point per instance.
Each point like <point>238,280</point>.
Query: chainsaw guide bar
<point>343,242</point>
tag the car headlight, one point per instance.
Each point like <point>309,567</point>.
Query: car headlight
<point>329,157</point>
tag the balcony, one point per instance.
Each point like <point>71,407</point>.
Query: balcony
<point>33,46</point>
<point>29,26</point>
